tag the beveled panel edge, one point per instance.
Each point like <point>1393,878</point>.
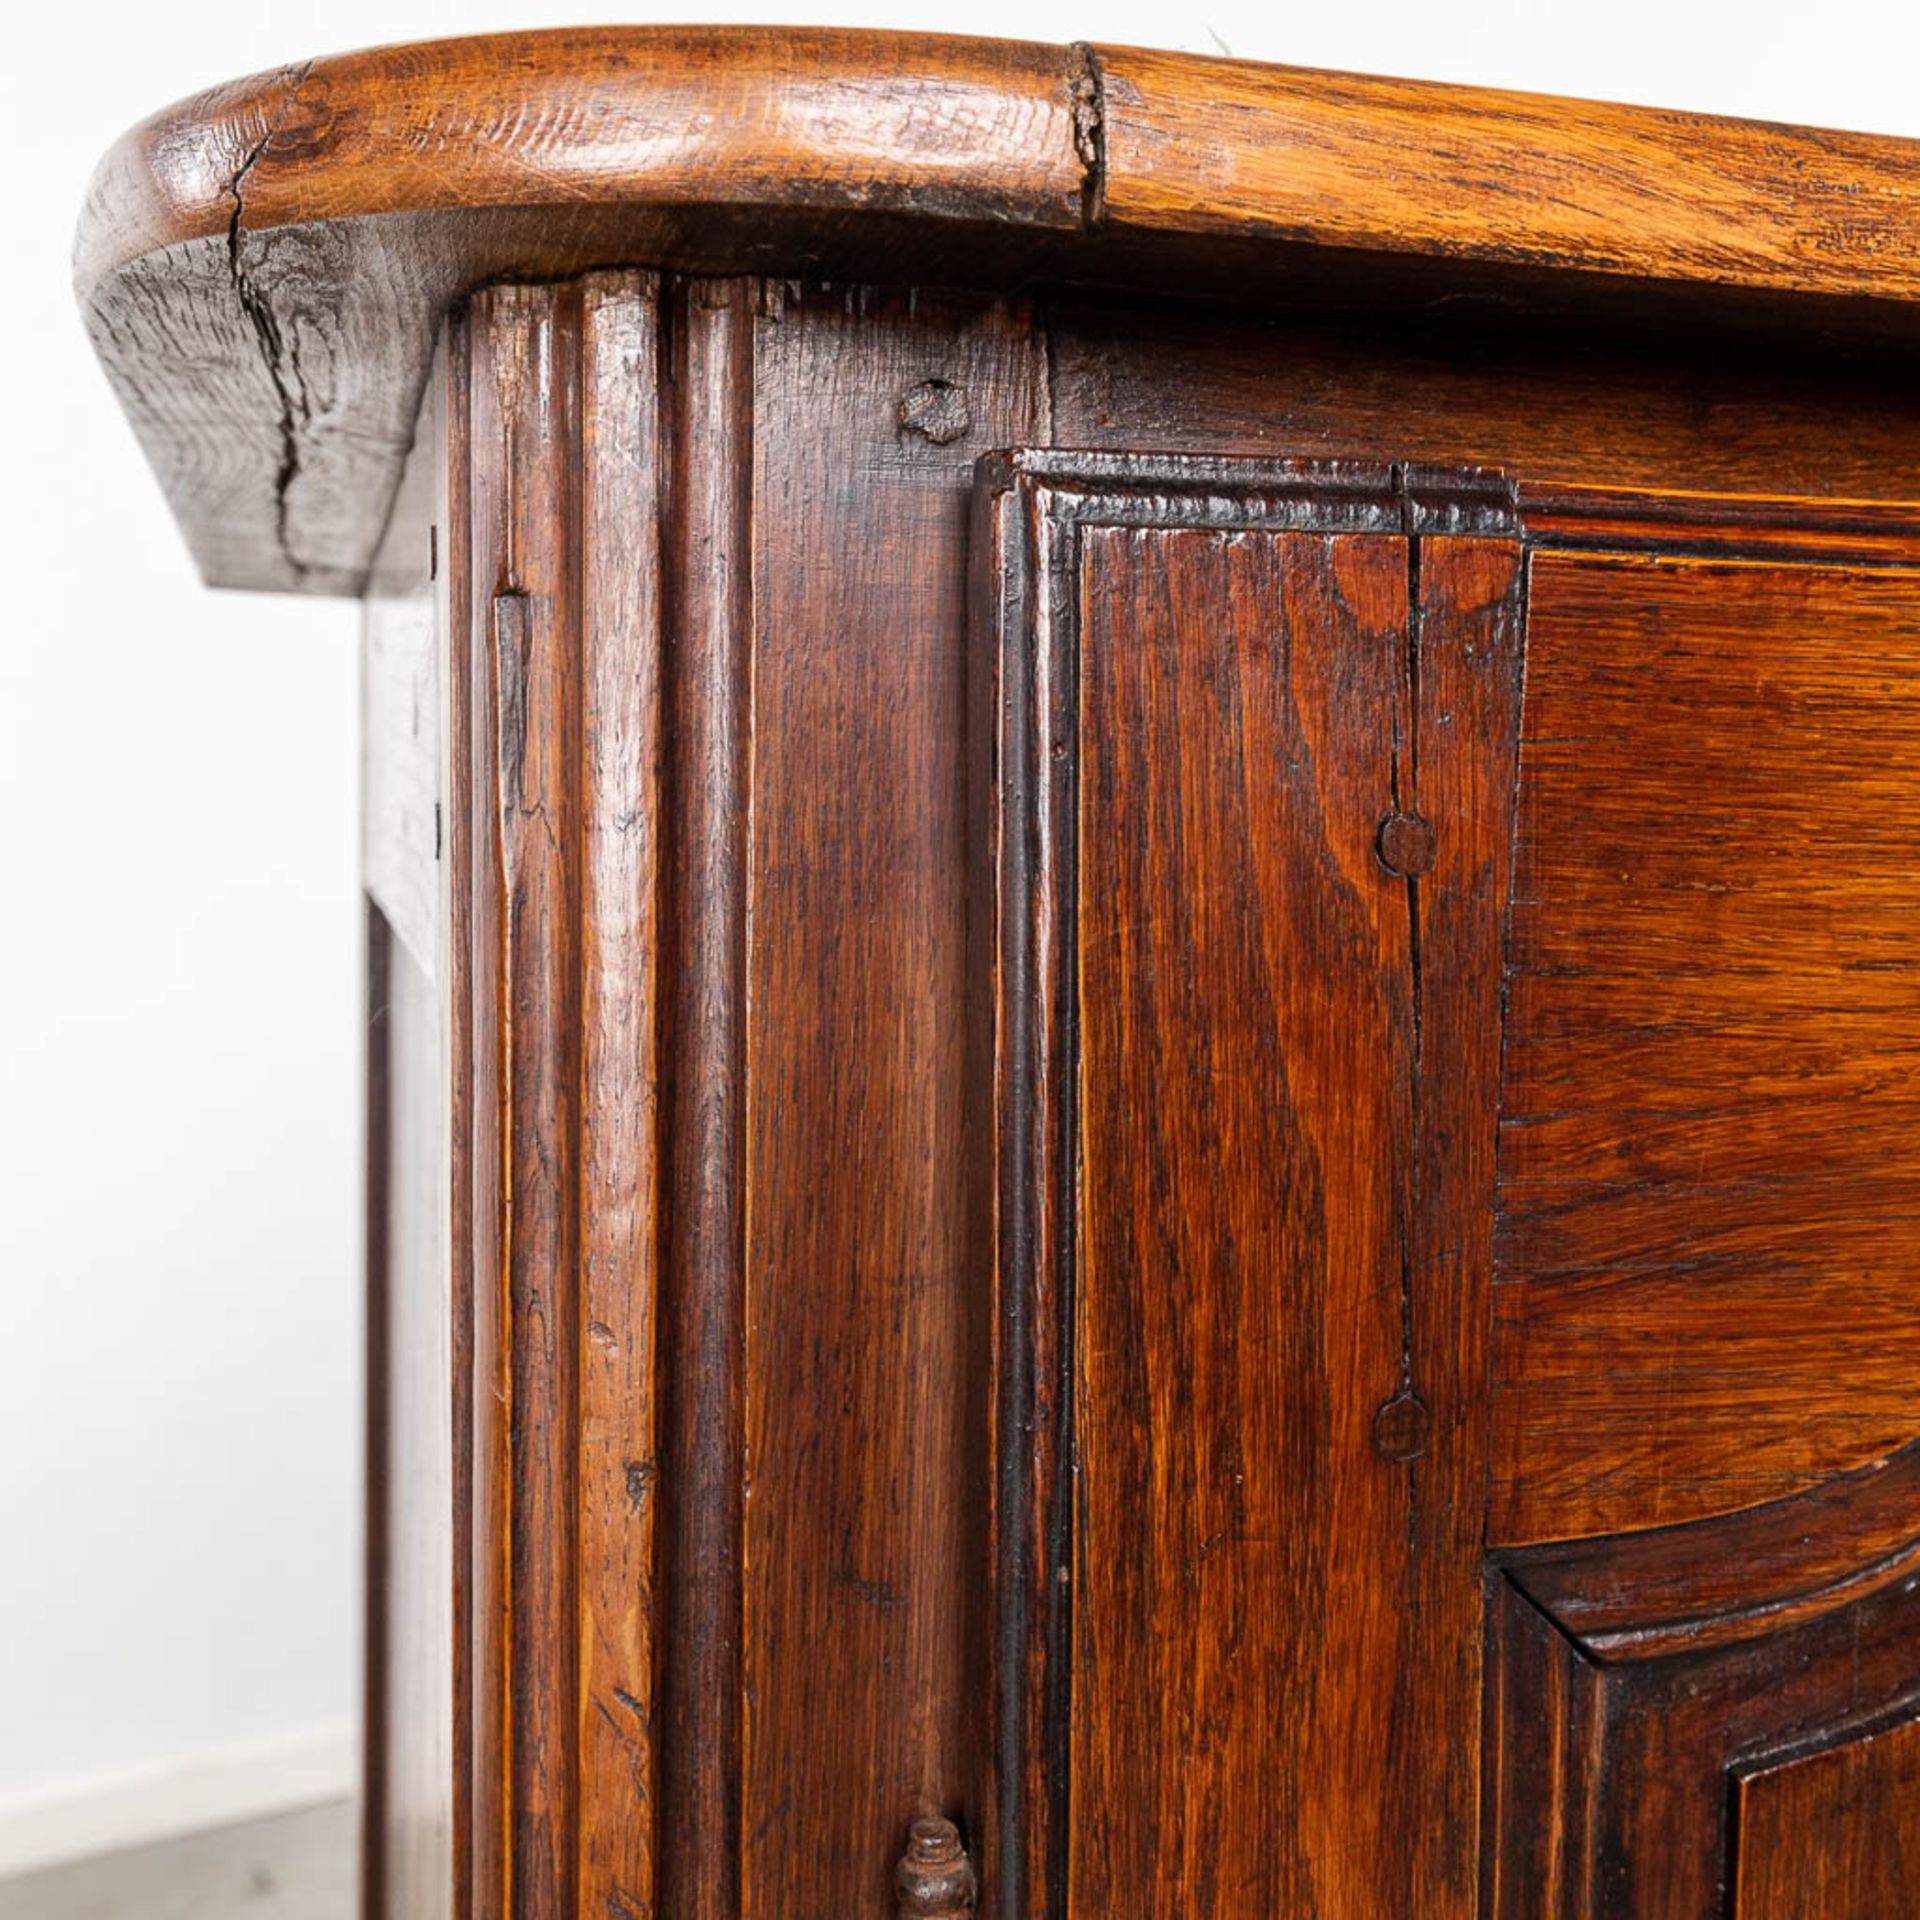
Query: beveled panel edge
<point>1734,1577</point>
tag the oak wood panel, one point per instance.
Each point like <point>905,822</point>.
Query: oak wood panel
<point>1544,402</point>
<point>1246,1007</point>
<point>1668,1590</point>
<point>1624,1738</point>
<point>1026,694</point>
<point>1777,527</point>
<point>561,823</point>
<point>263,266</point>
<point>865,1508</point>
<point>525,614</point>
<point>1834,1835</point>
<point>1459,775</point>
<point>936,124</point>
<point>1708,1172</point>
<point>1242,1241</point>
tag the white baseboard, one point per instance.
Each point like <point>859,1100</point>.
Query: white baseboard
<point>104,1813</point>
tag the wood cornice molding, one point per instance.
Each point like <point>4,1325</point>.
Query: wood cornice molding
<point>264,266</point>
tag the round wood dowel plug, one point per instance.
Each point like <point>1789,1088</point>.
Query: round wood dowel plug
<point>1407,844</point>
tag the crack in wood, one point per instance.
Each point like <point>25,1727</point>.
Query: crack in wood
<point>282,363</point>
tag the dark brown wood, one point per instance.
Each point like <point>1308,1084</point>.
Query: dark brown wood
<point>619,442</point>
<point>1707,1184</point>
<point>1629,1746</point>
<point>1834,1834</point>
<point>935,1880</point>
<point>1655,1593</point>
<point>623,1154</point>
<point>562,860</point>
<point>1549,402</point>
<point>865,1523</point>
<point>1185,1167</point>
<point>707,732</point>
<point>1233,1197</point>
<point>1245,1010</point>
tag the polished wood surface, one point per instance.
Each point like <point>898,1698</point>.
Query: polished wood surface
<point>264,266</point>
<point>1241,1401</point>
<point>1141,1125</point>
<point>1242,950</point>
<point>865,1537</point>
<point>1629,1743</point>
<point>1705,1270</point>
<point>1390,166</point>
<point>1862,1864</point>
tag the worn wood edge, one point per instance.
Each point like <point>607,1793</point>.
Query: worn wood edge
<point>263,266</point>
<point>1197,144</point>
<point>1009,131</point>
<point>937,125</point>
<point>1085,487</point>
<point>1734,1577</point>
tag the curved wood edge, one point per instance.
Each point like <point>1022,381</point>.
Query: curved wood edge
<point>264,266</point>
<point>1737,1577</point>
<point>946,126</point>
<point>937,126</point>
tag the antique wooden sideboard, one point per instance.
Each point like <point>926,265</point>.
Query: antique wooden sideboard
<point>1144,1139</point>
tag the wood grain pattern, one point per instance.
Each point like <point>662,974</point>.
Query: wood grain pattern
<point>706,737</point>
<point>1707,1166</point>
<point>1237,1228</point>
<point>1630,519</point>
<point>1233,146</point>
<point>623,1269</point>
<point>1645,1595</point>
<point>263,266</point>
<point>561,856</point>
<point>524,425</point>
<point>1545,400</point>
<point>1625,1741</point>
<point>865,1511</point>
<point>940,125</point>
<point>1239,1285</point>
<point>1834,1835</point>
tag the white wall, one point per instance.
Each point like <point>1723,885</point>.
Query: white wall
<point>179,971</point>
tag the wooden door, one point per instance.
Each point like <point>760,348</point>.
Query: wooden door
<point>1456,1196</point>
<point>1705,1492</point>
<point>1248,991</point>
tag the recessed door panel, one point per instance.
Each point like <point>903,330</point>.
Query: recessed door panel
<point>1241,1559</point>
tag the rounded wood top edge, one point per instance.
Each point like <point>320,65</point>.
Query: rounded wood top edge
<point>808,119</point>
<point>1012,133</point>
